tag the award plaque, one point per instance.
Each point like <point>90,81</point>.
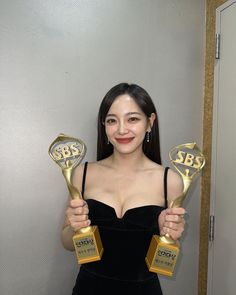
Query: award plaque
<point>68,152</point>
<point>163,251</point>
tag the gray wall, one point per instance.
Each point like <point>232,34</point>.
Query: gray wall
<point>57,60</point>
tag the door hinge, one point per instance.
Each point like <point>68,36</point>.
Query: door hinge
<point>212,228</point>
<point>217,49</point>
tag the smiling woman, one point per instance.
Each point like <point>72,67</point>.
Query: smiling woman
<point>125,194</point>
<point>138,106</point>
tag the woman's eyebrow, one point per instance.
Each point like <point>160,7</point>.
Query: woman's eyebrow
<point>127,114</point>
<point>110,115</point>
<point>133,113</point>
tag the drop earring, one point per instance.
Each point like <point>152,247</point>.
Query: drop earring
<point>148,137</point>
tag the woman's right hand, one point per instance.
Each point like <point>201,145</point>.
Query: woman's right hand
<point>77,214</point>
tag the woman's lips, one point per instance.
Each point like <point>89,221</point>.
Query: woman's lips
<point>124,140</point>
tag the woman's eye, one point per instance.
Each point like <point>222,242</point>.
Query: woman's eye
<point>133,119</point>
<point>110,121</point>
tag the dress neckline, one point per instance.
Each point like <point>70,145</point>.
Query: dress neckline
<point>127,210</point>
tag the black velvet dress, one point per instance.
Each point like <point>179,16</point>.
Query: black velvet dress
<point>122,269</point>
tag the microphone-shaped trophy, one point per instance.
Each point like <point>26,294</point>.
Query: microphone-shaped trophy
<point>163,251</point>
<point>68,152</point>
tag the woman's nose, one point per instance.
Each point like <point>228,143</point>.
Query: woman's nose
<point>122,128</point>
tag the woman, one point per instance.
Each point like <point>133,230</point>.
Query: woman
<point>126,194</point>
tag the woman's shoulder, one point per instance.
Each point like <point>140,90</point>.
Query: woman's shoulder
<point>91,166</point>
<point>97,164</point>
<point>174,180</point>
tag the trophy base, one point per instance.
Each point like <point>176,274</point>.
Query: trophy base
<point>88,246</point>
<point>161,257</point>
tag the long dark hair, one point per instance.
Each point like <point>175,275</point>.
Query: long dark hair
<point>152,148</point>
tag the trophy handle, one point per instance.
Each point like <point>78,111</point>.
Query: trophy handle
<point>74,193</point>
<point>178,202</point>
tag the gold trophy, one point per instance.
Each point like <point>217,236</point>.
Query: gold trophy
<point>163,251</point>
<point>68,152</point>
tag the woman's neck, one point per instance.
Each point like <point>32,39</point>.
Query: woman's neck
<point>127,162</point>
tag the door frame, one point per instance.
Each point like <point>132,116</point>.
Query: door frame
<point>219,10</point>
<point>211,6</point>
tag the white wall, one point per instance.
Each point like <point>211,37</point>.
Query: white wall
<point>57,60</point>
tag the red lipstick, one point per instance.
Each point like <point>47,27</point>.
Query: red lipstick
<point>124,140</point>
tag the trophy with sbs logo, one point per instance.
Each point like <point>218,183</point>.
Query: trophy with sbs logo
<point>163,251</point>
<point>68,152</point>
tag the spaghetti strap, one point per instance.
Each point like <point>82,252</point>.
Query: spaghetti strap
<point>165,186</point>
<point>84,178</point>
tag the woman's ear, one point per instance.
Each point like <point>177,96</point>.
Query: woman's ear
<point>151,120</point>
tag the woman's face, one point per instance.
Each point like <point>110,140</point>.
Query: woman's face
<point>126,124</point>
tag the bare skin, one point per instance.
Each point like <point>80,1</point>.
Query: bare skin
<point>127,179</point>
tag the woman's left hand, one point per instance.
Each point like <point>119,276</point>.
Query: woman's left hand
<point>171,221</point>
